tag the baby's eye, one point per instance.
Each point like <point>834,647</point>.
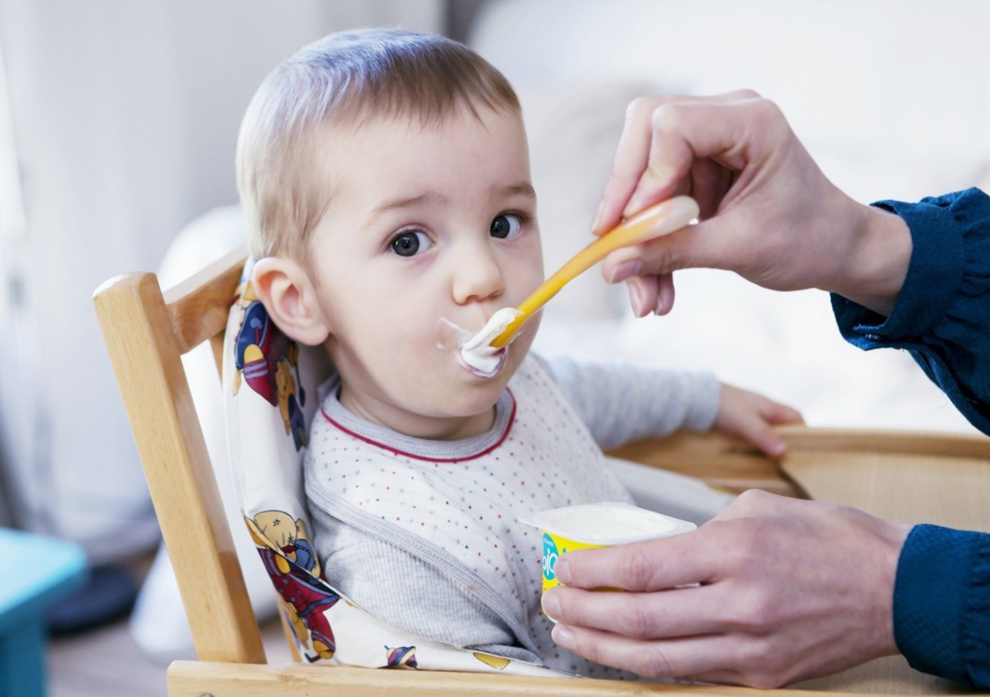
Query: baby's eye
<point>411,243</point>
<point>506,226</point>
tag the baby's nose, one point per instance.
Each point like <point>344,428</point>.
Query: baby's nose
<point>477,276</point>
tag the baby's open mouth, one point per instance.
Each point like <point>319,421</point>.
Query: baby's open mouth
<point>495,360</point>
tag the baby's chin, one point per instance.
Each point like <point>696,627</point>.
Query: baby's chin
<point>468,395</point>
<point>450,419</point>
<point>477,395</point>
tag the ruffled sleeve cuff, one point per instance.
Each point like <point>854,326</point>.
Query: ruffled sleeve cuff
<point>942,314</point>
<point>942,603</point>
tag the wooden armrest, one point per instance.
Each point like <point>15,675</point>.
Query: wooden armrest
<point>724,463</point>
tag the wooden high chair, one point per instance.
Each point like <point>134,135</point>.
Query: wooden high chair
<point>902,476</point>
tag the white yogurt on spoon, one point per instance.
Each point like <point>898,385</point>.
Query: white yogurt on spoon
<point>476,352</point>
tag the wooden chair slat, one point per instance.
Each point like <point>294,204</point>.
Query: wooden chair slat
<point>194,679</point>
<point>146,357</point>
<point>198,306</point>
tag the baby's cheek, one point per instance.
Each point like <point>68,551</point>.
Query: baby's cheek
<point>411,357</point>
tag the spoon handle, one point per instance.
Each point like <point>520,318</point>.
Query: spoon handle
<point>656,221</point>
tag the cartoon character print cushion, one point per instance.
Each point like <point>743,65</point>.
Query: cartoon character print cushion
<point>270,385</point>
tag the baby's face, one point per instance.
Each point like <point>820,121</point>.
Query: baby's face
<point>425,222</point>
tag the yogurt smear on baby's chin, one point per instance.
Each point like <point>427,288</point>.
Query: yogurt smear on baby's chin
<point>475,352</point>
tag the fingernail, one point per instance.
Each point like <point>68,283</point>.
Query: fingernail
<point>625,270</point>
<point>636,299</point>
<point>562,637</point>
<point>598,216</point>
<point>778,449</point>
<point>551,605</point>
<point>562,570</point>
<point>663,300</point>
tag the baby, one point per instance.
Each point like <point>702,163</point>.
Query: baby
<point>385,177</point>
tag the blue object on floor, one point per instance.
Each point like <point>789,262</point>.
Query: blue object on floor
<point>107,595</point>
<point>35,572</point>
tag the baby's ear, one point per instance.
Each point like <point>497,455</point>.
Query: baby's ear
<point>289,296</point>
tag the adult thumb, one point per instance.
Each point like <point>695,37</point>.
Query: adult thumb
<point>695,246</point>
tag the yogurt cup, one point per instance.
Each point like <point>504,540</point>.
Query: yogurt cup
<point>597,525</point>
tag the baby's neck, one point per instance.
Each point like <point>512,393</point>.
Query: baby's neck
<point>416,425</point>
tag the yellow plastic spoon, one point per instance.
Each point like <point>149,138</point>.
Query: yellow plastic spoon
<point>656,221</point>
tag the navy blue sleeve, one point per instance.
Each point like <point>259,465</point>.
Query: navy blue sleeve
<point>942,603</point>
<point>942,316</point>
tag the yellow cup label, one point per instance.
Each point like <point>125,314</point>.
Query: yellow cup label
<point>553,547</point>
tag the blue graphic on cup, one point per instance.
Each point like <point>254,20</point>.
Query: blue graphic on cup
<point>550,555</point>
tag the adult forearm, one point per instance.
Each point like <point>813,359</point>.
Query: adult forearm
<point>877,262</point>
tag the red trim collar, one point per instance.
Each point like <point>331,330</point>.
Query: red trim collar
<point>369,441</point>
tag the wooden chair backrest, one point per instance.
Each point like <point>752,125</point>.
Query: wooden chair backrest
<point>146,334</point>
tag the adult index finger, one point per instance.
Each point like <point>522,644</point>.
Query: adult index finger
<point>629,165</point>
<point>641,566</point>
<point>640,145</point>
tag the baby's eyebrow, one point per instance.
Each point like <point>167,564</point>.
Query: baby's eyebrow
<point>427,197</point>
<point>435,197</point>
<point>520,189</point>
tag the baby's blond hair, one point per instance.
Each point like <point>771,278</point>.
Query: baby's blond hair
<point>345,77</point>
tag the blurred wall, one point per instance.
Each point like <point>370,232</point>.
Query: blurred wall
<point>125,117</point>
<point>889,96</point>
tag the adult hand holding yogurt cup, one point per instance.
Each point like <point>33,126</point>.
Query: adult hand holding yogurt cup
<point>770,591</point>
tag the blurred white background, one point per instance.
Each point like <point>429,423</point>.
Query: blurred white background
<point>120,124</point>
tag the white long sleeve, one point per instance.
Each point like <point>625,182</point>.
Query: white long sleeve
<point>620,402</point>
